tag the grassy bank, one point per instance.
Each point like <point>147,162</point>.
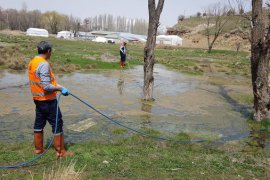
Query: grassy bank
<point>75,55</point>
<point>67,56</point>
<point>140,158</point>
<point>199,61</point>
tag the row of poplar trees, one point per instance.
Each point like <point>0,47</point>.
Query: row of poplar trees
<point>54,22</point>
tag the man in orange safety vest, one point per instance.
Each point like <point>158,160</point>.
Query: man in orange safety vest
<point>44,90</point>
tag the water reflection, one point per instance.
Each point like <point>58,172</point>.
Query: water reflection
<point>147,107</point>
<point>145,120</point>
<point>121,83</point>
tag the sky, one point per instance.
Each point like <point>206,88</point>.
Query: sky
<point>127,8</point>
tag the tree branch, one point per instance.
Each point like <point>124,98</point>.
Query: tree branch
<point>160,6</point>
<point>154,12</point>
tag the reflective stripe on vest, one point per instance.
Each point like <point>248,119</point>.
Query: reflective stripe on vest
<point>34,94</point>
<point>36,87</point>
<point>35,83</point>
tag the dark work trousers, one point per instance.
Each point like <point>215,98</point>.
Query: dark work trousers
<point>46,111</point>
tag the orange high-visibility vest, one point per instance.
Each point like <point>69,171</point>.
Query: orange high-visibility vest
<point>36,87</point>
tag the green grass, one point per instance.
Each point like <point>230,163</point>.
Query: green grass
<point>197,61</point>
<point>71,52</point>
<point>119,131</point>
<point>191,22</point>
<point>141,158</point>
<point>246,99</point>
<point>88,55</point>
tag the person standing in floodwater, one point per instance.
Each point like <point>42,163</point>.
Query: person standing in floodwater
<point>123,55</point>
<point>44,90</point>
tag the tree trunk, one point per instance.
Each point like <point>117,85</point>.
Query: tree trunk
<point>149,61</point>
<point>210,47</point>
<point>149,55</point>
<point>208,42</point>
<point>211,44</point>
<point>259,63</point>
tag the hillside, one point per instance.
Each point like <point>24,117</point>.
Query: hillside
<point>236,31</point>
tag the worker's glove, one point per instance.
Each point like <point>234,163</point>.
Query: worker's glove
<point>65,91</point>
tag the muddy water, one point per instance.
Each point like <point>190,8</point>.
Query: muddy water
<point>183,104</point>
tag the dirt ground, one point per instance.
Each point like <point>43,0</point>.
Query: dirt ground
<point>230,43</point>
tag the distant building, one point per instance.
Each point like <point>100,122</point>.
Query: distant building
<point>169,40</point>
<point>65,35</point>
<point>126,37</point>
<point>140,38</point>
<point>114,37</point>
<point>117,37</point>
<point>37,32</point>
<point>101,33</point>
<point>100,40</point>
<point>85,35</point>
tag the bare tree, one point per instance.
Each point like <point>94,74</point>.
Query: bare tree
<point>268,4</point>
<point>12,19</point>
<point>142,26</point>
<point>75,25</point>
<point>242,10</point>
<point>52,21</point>
<point>24,18</point>
<point>86,23</point>
<point>181,17</point>
<point>260,56</point>
<point>217,17</point>
<point>149,54</point>
<point>100,27</point>
<point>35,18</point>
<point>66,23</point>
<point>3,22</point>
<point>240,4</point>
<point>105,22</point>
<point>111,25</point>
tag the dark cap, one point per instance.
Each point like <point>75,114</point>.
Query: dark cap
<point>43,47</point>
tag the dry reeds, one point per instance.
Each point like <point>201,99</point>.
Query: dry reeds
<point>63,173</point>
<point>12,59</point>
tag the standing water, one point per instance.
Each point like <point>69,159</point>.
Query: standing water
<point>183,104</point>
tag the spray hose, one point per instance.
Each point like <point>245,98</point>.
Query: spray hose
<point>114,121</point>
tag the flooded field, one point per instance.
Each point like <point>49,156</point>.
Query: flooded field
<point>183,104</point>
